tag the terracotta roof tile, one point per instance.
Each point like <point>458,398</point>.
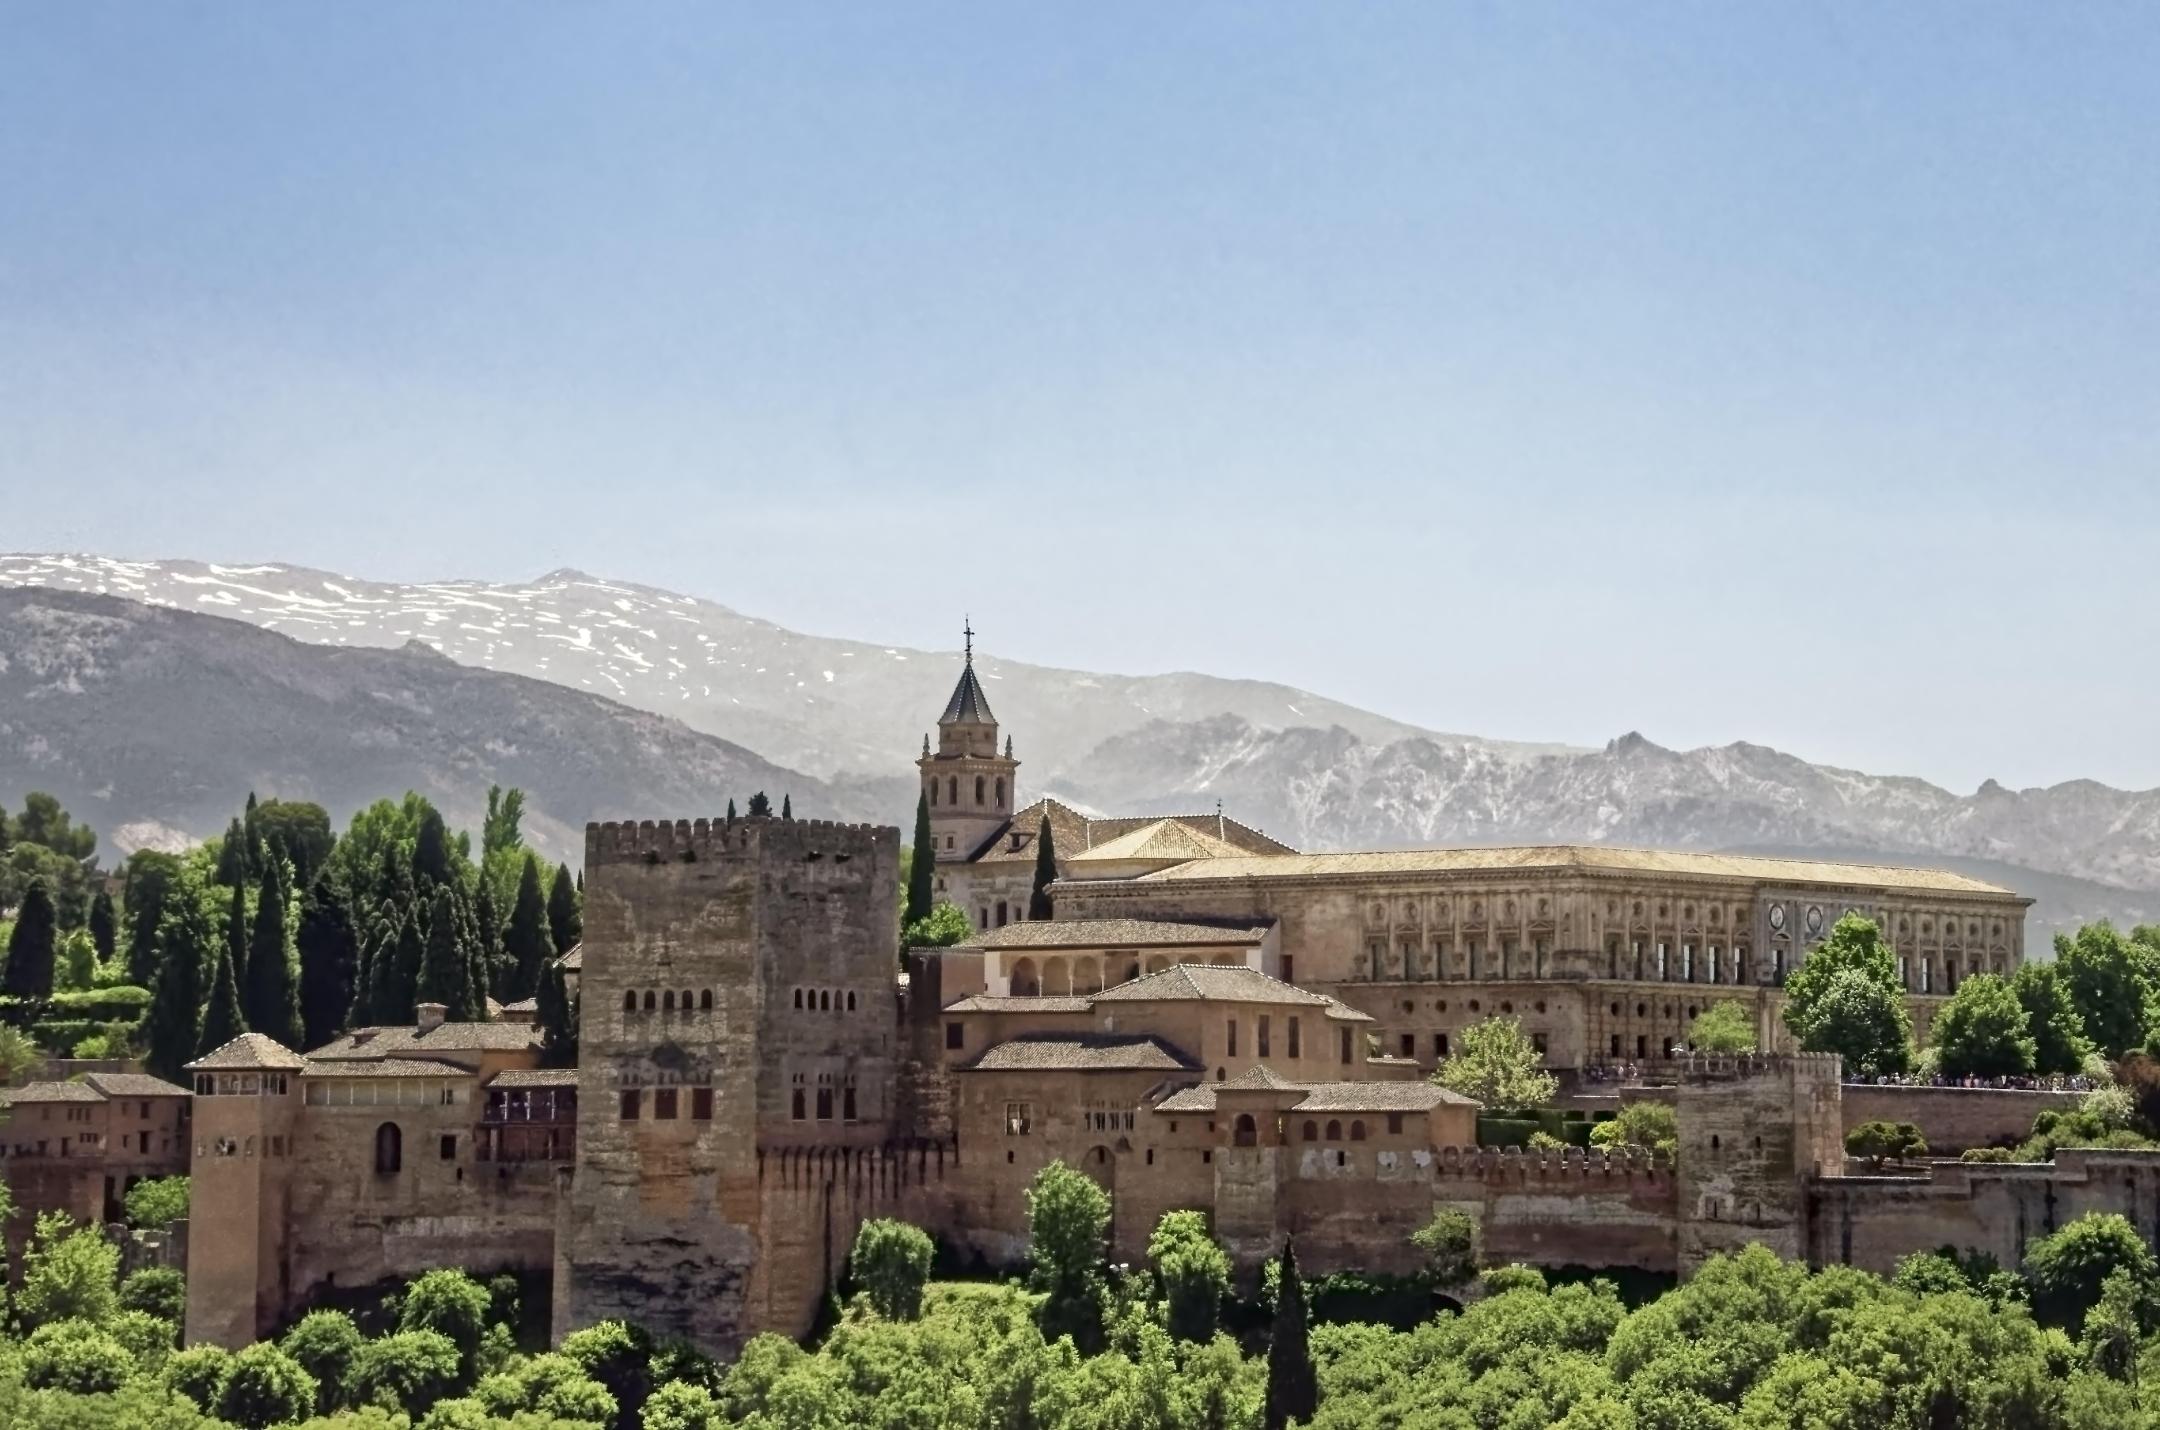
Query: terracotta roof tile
<point>383,1067</point>
<point>50,1092</point>
<point>1197,981</point>
<point>1329,1097</point>
<point>991,1003</point>
<point>133,1085</point>
<point>1114,933</point>
<point>246,1053</point>
<point>535,1077</point>
<point>364,1043</point>
<point>1083,1053</point>
<point>574,960</point>
<point>1165,839</point>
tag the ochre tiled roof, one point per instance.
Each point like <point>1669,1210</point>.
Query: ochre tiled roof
<point>1165,839</point>
<point>1242,836</point>
<point>446,1038</point>
<point>1212,984</point>
<point>1075,833</point>
<point>1260,1075</point>
<point>992,1003</point>
<point>383,1067</point>
<point>250,1052</point>
<point>1585,857</point>
<point>535,1077</point>
<point>1083,1053</point>
<point>574,960</point>
<point>50,1092</point>
<point>1328,1097</point>
<point>1112,933</point>
<point>133,1085</point>
<point>1342,1012</point>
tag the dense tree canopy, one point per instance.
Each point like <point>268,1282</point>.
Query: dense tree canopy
<point>1984,1031</point>
<point>2108,980</point>
<point>1496,1063</point>
<point>1846,998</point>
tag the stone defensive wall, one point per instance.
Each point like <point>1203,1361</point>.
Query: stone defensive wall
<point>689,840</point>
<point>813,1199</point>
<point>1955,1118</point>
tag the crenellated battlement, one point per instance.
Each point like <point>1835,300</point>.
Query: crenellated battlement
<point>1732,1067</point>
<point>689,840</point>
<point>1522,1164</point>
<point>888,1166</point>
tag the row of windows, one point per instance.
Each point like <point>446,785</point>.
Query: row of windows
<point>665,1001</point>
<point>825,1000</point>
<point>241,1147</point>
<point>666,1104</point>
<point>799,1107</point>
<point>269,1084</point>
<point>952,791</point>
<point>1264,1029</point>
<point>382,1092</point>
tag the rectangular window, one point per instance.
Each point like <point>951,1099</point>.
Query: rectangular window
<point>629,1104</point>
<point>449,1147</point>
<point>1439,1045</point>
<point>824,1104</point>
<point>1293,1037</point>
<point>955,1036</point>
<point>1346,1047</point>
<point>1233,1037</point>
<point>663,1103</point>
<point>701,1104</point>
<point>1264,1049</point>
<point>797,1111</point>
<point>847,1103</point>
<point>1019,1118</point>
<point>1289,973</point>
<point>1537,1040</point>
<point>1409,1045</point>
<point>1394,1124</point>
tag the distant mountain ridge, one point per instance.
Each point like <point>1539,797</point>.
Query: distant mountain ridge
<point>1308,770</point>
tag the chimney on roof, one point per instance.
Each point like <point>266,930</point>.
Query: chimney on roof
<point>431,1016</point>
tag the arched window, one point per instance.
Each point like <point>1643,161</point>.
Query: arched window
<point>1334,1132</point>
<point>1001,913</point>
<point>1001,792</point>
<point>704,1001</point>
<point>798,999</point>
<point>686,1000</point>
<point>667,1001</point>
<point>933,794</point>
<point>1312,1132</point>
<point>1245,1133</point>
<point>851,1000</point>
<point>978,789</point>
<point>629,1000</point>
<point>1022,978</point>
<point>824,1000</point>
<point>952,789</point>
<point>389,1149</point>
<point>648,1000</point>
<point>1357,1132</point>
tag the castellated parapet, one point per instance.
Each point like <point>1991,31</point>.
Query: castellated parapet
<point>1754,1129</point>
<point>737,999</point>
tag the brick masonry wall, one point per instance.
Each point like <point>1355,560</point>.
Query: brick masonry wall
<point>1955,1118</point>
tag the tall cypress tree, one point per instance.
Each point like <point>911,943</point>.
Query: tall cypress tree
<point>250,825</point>
<point>446,963</point>
<point>431,852</point>
<point>922,867</point>
<point>530,940</point>
<point>185,943</point>
<point>223,1020</point>
<point>232,866</point>
<point>329,962</point>
<point>787,806</point>
<point>32,945</point>
<point>731,811</point>
<point>104,927</point>
<point>236,929</point>
<point>558,1018</point>
<point>272,999</point>
<point>1045,871</point>
<point>566,924</point>
<point>150,878</point>
<point>487,944</point>
<point>1293,1392</point>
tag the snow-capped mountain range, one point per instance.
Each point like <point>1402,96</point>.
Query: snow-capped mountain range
<point>849,717</point>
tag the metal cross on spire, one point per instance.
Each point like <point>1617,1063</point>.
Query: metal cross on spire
<point>967,630</point>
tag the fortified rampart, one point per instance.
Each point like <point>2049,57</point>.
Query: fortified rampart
<point>1955,1118</point>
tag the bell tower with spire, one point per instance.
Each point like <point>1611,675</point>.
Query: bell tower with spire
<point>967,780</point>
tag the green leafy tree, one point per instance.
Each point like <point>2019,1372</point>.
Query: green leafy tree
<point>2068,1269</point>
<point>329,956</point>
<point>1723,1028</point>
<point>566,923</point>
<point>186,946</point>
<point>557,1009</point>
<point>946,926</point>
<point>1846,998</point>
<point>1861,1020</point>
<point>151,876</point>
<point>408,1371</point>
<point>434,866</point>
<point>446,966</point>
<point>451,1304</point>
<point>787,806</point>
<point>1983,1031</point>
<point>157,1202</point>
<point>69,1273</point>
<point>548,1387</point>
<point>1881,1141</point>
<point>1193,1271</point>
<point>1649,1126</point>
<point>76,967</point>
<point>2108,985</point>
<point>18,1054</point>
<point>77,1356</point>
<point>1450,1246</point>
<point>922,868</point>
<point>232,856</point>
<point>760,806</point>
<point>272,1000</point>
<point>891,1263</point>
<point>223,1019</point>
<point>264,1386</point>
<point>197,1373</point>
<point>1045,871</point>
<point>2059,1044</point>
<point>1068,1220</point>
<point>325,1344</point>
<point>298,832</point>
<point>236,933</point>
<point>620,1358</point>
<point>159,1291</point>
<point>32,945</point>
<point>396,984</point>
<point>1496,1063</point>
<point>1293,1389</point>
<point>499,831</point>
<point>529,941</point>
<point>104,926</point>
<point>47,825</point>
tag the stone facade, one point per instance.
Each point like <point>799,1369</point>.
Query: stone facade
<point>76,1147</point>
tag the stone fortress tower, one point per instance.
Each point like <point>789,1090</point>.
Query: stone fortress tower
<point>737,1001</point>
<point>970,786</point>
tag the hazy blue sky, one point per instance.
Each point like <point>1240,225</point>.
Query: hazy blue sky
<point>1544,371</point>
